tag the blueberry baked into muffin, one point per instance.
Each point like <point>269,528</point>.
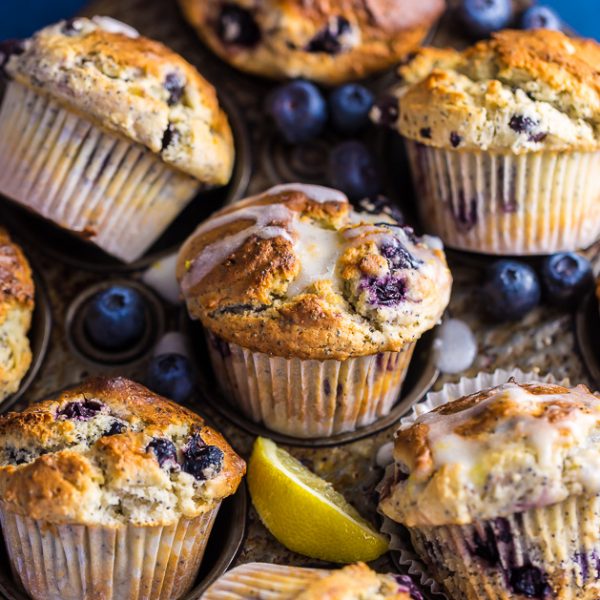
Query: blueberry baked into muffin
<point>16,309</point>
<point>330,42</point>
<point>107,133</point>
<point>108,491</point>
<point>312,309</point>
<point>278,582</point>
<point>500,492</point>
<point>503,140</point>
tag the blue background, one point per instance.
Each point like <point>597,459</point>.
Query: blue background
<point>21,17</point>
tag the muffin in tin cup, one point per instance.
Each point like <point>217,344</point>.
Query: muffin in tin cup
<point>281,582</point>
<point>503,141</point>
<point>106,133</point>
<point>109,491</point>
<point>329,42</point>
<point>311,308</point>
<point>498,489</point>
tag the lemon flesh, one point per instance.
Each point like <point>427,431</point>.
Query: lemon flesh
<point>304,512</point>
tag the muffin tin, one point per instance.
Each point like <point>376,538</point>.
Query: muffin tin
<point>67,271</point>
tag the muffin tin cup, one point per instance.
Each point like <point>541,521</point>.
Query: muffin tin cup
<point>309,398</point>
<point>408,550</point>
<point>587,329</point>
<point>109,190</point>
<point>507,204</point>
<point>72,562</point>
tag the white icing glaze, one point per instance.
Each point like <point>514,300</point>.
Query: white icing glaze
<point>318,250</point>
<point>115,26</point>
<point>318,193</point>
<point>455,346</point>
<point>160,276</point>
<point>538,432</point>
<point>216,253</point>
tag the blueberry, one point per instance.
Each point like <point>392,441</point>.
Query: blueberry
<point>386,291</point>
<point>352,169</point>
<point>164,450</point>
<point>540,17</point>
<point>406,585</point>
<point>380,204</point>
<point>330,39</point>
<point>115,428</point>
<point>170,136</point>
<point>349,106</point>
<point>567,277</point>
<point>511,290</point>
<point>80,411</point>
<point>171,376</point>
<point>175,85</point>
<point>299,111</point>
<point>482,17</point>
<point>398,256</point>
<point>455,139</point>
<point>115,317</point>
<point>200,460</point>
<point>237,26</point>
<point>529,581</point>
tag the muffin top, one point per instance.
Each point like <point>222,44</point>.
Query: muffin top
<point>498,452</point>
<point>16,282</point>
<point>111,452</point>
<point>354,582</point>
<point>326,40</point>
<point>521,91</point>
<point>297,272</point>
<point>129,85</point>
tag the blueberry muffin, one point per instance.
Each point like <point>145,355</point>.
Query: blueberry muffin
<point>503,141</point>
<point>16,309</point>
<point>107,133</point>
<point>108,491</point>
<point>312,309</point>
<point>278,582</point>
<point>500,492</point>
<point>330,42</point>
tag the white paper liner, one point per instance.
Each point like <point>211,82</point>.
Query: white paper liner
<point>108,189</point>
<point>532,203</point>
<point>406,555</point>
<point>263,580</point>
<point>79,562</point>
<point>309,398</point>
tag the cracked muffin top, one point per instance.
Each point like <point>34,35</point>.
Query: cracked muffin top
<point>520,91</point>
<point>111,452</point>
<point>297,272</point>
<point>16,310</point>
<point>354,582</point>
<point>330,41</point>
<point>131,86</point>
<point>498,452</point>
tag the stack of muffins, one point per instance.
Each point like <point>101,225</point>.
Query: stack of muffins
<point>311,308</point>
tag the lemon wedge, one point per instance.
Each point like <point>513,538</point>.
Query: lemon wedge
<point>304,512</point>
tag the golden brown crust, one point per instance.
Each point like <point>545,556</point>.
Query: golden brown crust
<point>285,43</point>
<point>519,91</point>
<point>495,453</point>
<point>60,466</point>
<point>294,276</point>
<point>134,87</point>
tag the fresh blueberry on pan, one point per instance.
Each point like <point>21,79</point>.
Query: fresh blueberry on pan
<point>349,106</point>
<point>540,17</point>
<point>171,375</point>
<point>298,110</point>
<point>352,170</point>
<point>511,290</point>
<point>482,17</point>
<point>115,318</point>
<point>567,277</point>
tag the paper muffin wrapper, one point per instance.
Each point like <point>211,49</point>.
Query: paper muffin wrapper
<point>532,203</point>
<point>105,188</point>
<point>410,554</point>
<point>78,562</point>
<point>309,398</point>
<point>258,580</point>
